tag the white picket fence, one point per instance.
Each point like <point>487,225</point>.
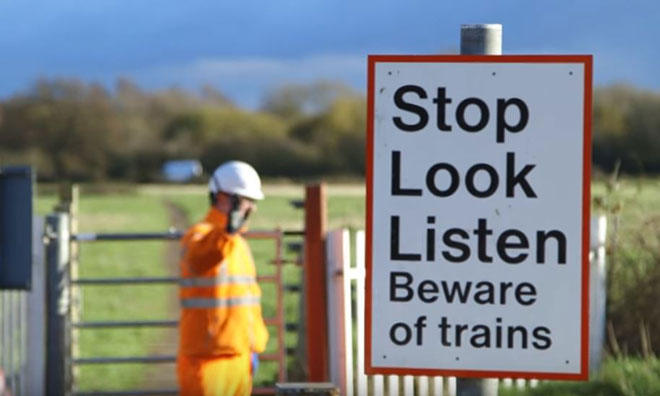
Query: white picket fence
<point>346,306</point>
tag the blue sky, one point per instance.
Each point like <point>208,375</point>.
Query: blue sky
<point>245,47</point>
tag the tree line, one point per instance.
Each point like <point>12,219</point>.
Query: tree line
<point>80,131</point>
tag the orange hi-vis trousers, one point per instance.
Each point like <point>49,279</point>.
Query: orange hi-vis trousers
<point>214,376</point>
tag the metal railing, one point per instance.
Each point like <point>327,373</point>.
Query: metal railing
<point>13,342</point>
<point>60,359</point>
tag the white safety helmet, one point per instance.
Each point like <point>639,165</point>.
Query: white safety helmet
<point>236,178</point>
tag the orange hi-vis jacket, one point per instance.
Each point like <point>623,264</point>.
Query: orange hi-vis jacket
<point>219,294</point>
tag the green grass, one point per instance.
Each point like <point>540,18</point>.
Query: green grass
<point>143,209</point>
<point>618,377</point>
<point>127,302</point>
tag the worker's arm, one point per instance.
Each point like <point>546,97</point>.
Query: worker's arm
<point>206,246</point>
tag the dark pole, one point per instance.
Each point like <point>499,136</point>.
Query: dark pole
<point>58,321</point>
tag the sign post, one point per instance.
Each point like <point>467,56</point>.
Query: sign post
<point>478,190</point>
<point>479,40</point>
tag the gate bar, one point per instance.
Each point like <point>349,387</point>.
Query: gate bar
<point>144,323</point>
<point>152,323</point>
<point>149,359</point>
<point>129,392</point>
<point>169,235</point>
<point>129,359</point>
<point>133,281</point>
<point>172,234</point>
<point>255,391</point>
<point>123,281</point>
<point>92,237</point>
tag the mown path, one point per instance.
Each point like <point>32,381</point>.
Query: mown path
<point>163,376</point>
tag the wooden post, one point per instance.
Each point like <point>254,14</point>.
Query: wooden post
<point>315,282</point>
<point>69,199</point>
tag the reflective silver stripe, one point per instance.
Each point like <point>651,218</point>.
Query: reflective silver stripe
<point>218,280</point>
<point>219,302</point>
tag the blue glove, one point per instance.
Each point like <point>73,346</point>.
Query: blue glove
<point>254,363</point>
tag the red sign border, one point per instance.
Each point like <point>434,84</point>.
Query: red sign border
<point>587,61</point>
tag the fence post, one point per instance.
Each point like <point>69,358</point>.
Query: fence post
<point>598,291</point>
<point>481,39</point>
<point>340,352</point>
<point>315,283</point>
<point>58,322</point>
<point>36,315</point>
<point>69,199</point>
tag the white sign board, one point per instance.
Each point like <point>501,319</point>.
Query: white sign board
<point>478,197</point>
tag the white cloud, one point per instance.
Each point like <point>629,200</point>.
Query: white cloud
<point>246,79</point>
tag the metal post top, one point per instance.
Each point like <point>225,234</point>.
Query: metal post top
<point>481,39</point>
<point>481,26</point>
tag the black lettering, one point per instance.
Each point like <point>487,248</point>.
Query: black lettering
<point>405,286</point>
<point>542,237</point>
<point>456,290</point>
<point>419,326</point>
<point>502,125</point>
<point>396,178</point>
<point>480,336</point>
<point>504,286</point>
<point>453,184</point>
<point>542,340</point>
<point>395,254</point>
<point>430,240</point>
<point>459,333</point>
<point>429,287</point>
<point>454,244</point>
<point>511,332</point>
<point>484,115</point>
<point>492,186</point>
<point>512,179</point>
<point>482,233</point>
<point>413,108</point>
<point>525,289</point>
<point>486,295</point>
<point>442,101</point>
<point>407,334</point>
<point>444,329</point>
<point>504,243</point>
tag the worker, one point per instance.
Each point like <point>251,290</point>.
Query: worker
<point>221,330</point>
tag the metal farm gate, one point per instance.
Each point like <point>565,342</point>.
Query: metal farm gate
<point>61,244</point>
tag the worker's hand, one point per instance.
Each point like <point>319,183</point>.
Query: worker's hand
<point>254,363</point>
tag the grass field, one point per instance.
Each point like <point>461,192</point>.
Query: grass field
<point>145,208</point>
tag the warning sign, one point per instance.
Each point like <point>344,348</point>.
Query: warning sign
<point>478,175</point>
